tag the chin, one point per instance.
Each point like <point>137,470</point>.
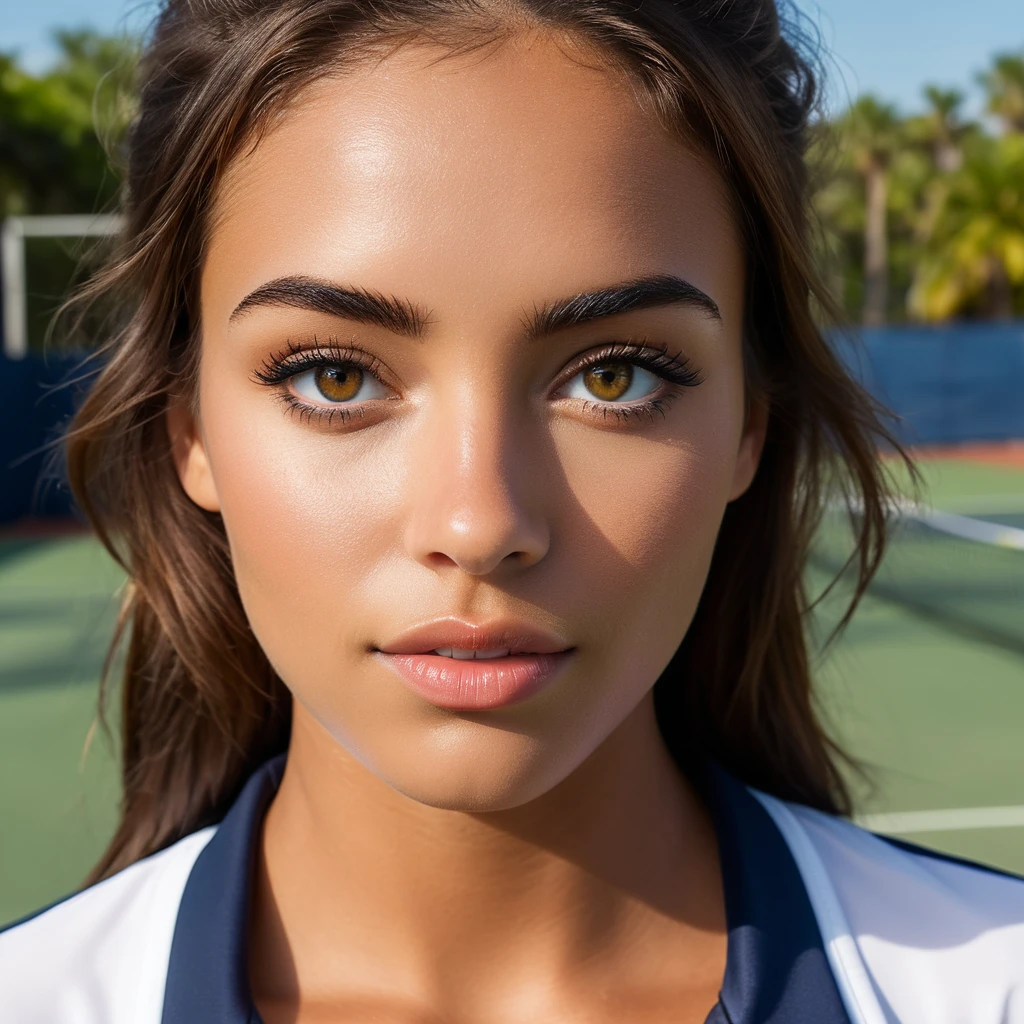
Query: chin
<point>473,768</point>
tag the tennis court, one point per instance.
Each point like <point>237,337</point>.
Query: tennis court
<point>926,687</point>
<point>927,684</point>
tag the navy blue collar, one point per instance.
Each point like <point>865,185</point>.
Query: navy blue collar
<point>776,971</point>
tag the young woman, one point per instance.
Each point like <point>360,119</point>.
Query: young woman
<point>463,442</point>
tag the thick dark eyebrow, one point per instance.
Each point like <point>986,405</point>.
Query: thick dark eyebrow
<point>357,304</point>
<point>644,293</point>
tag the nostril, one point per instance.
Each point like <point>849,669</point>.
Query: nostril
<point>439,560</point>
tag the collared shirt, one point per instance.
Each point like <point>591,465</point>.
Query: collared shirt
<point>828,924</point>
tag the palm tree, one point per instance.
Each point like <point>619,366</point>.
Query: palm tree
<point>941,133</point>
<point>870,131</point>
<point>1004,86</point>
<point>944,126</point>
<point>975,256</point>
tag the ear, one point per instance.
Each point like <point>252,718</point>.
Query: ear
<point>189,454</point>
<point>748,458</point>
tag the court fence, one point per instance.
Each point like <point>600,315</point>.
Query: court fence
<point>948,385</point>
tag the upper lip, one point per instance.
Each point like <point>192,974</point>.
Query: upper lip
<point>499,634</point>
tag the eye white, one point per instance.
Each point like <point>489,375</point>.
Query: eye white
<point>305,386</point>
<point>644,383</point>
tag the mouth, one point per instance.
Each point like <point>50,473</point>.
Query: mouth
<point>465,666</point>
<point>461,654</point>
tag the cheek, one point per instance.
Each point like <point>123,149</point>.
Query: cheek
<point>652,511</point>
<point>306,516</point>
<point>657,504</point>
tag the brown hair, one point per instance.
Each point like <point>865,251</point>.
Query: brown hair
<point>201,706</point>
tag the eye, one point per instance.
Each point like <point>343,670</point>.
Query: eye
<point>336,384</point>
<point>613,380</point>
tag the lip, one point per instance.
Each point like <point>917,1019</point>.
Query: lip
<point>534,660</point>
<point>500,634</point>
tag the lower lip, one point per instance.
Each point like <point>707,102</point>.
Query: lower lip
<point>477,684</point>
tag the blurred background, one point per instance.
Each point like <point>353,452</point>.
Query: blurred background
<point>918,163</point>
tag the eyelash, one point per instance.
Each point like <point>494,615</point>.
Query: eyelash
<point>675,370</point>
<point>279,368</point>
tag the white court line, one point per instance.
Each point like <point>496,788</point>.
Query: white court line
<point>953,820</point>
<point>967,527</point>
<point>971,529</point>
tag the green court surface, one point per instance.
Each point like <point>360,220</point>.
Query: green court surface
<point>935,713</point>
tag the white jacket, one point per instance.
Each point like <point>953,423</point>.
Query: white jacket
<point>828,924</point>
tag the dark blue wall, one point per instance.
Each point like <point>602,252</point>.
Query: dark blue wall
<point>947,384</point>
<point>35,404</point>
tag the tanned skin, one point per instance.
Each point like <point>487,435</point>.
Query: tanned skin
<point>543,861</point>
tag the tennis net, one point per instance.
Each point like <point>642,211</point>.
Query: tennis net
<point>964,572</point>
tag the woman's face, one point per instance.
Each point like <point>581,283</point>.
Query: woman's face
<point>421,437</point>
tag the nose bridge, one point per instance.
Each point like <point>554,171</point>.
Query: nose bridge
<point>475,501</point>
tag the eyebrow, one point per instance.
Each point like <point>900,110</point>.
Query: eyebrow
<point>358,304</point>
<point>643,293</point>
<point>404,318</point>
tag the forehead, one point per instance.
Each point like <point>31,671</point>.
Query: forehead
<point>521,167</point>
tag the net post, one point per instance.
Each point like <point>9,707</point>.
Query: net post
<point>12,253</point>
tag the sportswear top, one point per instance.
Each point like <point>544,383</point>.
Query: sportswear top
<point>828,924</point>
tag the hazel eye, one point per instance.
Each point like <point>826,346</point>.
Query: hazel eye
<point>613,380</point>
<point>336,384</point>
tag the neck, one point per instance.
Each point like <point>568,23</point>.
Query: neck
<point>361,888</point>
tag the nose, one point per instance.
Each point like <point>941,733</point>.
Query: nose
<point>476,493</point>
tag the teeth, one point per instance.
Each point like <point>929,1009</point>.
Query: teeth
<point>462,655</point>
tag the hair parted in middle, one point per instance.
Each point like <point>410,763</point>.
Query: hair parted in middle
<point>201,706</point>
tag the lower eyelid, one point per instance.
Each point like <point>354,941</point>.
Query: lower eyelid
<point>648,409</point>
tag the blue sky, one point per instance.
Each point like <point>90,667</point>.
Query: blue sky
<point>891,47</point>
